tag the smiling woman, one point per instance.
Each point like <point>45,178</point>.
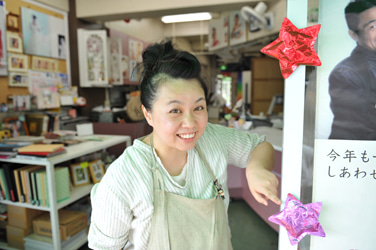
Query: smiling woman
<point>180,169</point>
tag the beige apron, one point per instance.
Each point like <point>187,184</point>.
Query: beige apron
<point>182,223</point>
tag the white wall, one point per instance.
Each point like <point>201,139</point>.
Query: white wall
<point>100,8</point>
<point>59,4</point>
<point>145,29</point>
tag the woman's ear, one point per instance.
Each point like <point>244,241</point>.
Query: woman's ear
<point>147,115</point>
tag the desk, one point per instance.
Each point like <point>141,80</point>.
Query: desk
<point>237,182</point>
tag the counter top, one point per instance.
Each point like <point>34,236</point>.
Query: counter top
<point>273,135</point>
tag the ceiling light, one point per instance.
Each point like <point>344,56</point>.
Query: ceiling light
<point>187,17</point>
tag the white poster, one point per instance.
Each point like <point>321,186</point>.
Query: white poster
<point>345,183</point>
<point>115,75</point>
<point>238,28</point>
<point>345,146</point>
<point>218,33</point>
<point>43,35</point>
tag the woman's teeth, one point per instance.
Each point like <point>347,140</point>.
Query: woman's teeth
<point>187,136</point>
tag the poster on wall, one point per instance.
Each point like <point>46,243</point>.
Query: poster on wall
<point>44,85</point>
<point>218,33</point>
<point>92,57</point>
<point>345,146</point>
<point>125,66</point>
<point>43,35</point>
<point>3,46</point>
<point>238,28</point>
<point>135,50</point>
<point>115,75</point>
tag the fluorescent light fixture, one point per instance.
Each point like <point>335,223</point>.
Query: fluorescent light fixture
<point>187,17</point>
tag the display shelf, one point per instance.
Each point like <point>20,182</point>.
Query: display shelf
<point>73,152</point>
<point>76,194</point>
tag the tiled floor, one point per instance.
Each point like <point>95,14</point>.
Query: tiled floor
<point>248,230</point>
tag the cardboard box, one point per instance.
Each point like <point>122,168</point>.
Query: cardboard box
<point>16,235</point>
<point>71,222</point>
<point>22,217</point>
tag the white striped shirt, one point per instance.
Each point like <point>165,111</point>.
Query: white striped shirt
<point>122,202</point>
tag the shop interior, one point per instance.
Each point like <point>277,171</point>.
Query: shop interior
<point>65,100</point>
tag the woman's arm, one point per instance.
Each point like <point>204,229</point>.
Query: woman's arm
<point>262,182</point>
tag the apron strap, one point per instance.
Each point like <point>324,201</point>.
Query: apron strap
<point>218,186</point>
<point>158,181</point>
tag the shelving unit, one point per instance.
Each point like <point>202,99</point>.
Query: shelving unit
<point>73,152</point>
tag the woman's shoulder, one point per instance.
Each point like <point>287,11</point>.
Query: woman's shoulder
<point>131,170</point>
<point>217,130</point>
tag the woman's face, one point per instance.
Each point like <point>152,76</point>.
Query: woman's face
<point>178,115</point>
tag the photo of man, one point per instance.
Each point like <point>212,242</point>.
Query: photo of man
<point>352,82</point>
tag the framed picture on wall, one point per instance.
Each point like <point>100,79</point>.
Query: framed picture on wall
<point>80,174</point>
<point>44,64</point>
<point>17,79</point>
<point>218,33</point>
<point>14,42</point>
<point>13,22</point>
<point>43,34</point>
<point>238,28</point>
<point>18,62</point>
<point>125,66</point>
<point>92,47</point>
<point>96,170</point>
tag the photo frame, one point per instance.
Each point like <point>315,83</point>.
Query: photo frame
<point>16,126</point>
<point>18,62</point>
<point>96,169</point>
<point>17,79</point>
<point>13,22</point>
<point>92,47</point>
<point>44,64</point>
<point>21,102</point>
<point>14,42</point>
<point>80,174</point>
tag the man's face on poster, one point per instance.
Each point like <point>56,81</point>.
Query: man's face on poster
<point>366,36</point>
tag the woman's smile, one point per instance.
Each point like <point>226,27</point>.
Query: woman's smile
<point>187,136</point>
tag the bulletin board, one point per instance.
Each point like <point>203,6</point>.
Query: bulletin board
<point>14,7</point>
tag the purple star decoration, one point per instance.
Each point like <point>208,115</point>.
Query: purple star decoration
<point>299,220</point>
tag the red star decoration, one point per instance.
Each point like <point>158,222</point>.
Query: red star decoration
<point>299,220</point>
<point>294,47</point>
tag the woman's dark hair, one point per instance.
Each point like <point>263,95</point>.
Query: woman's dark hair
<point>161,62</point>
<point>352,11</point>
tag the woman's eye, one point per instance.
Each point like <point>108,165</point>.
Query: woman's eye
<point>199,108</point>
<point>373,26</point>
<point>175,111</point>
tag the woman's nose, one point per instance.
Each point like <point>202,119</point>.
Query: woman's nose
<point>188,120</point>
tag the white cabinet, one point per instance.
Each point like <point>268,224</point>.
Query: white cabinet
<point>73,152</point>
